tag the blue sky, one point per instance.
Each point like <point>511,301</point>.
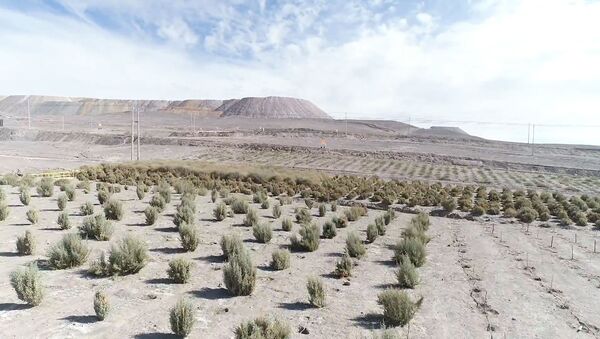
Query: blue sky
<point>439,62</point>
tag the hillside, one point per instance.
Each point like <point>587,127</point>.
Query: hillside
<point>272,107</point>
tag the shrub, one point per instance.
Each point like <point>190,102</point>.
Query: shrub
<point>69,252</point>
<point>28,285</point>
<point>413,248</point>
<point>214,195</point>
<point>251,217</point>
<point>184,214</point>
<point>24,196</point>
<point>414,232</point>
<point>231,245</point>
<point>263,328</point>
<point>180,270</point>
<point>239,206</point>
<point>188,234</point>
<point>87,208</point>
<point>329,230</point>
<point>140,191</point>
<point>316,292</point>
<point>449,205</point>
<point>478,210</point>
<point>262,232</point>
<point>420,222</point>
<point>343,268</point>
<point>340,222</point>
<point>63,221</point>
<point>398,308</point>
<point>510,213</point>
<point>372,233</point>
<point>151,214</point>
<point>355,212</point>
<point>158,202</point>
<point>96,227</point>
<point>45,188</point>
<point>84,185</point>
<point>333,206</point>
<point>280,260</point>
<point>322,210</point>
<point>128,256</point>
<point>265,204</point>
<point>580,219</point>
<point>4,211</point>
<point>303,215</point>
<point>103,196</point>
<point>220,212</point>
<point>309,240</point>
<point>182,318</point>
<point>61,202</point>
<point>354,246</point>
<point>276,211</point>
<point>101,305</point>
<point>407,274</point>
<point>70,192</point>
<point>164,190</point>
<point>286,224</point>
<point>33,216</point>
<point>527,215</point>
<point>309,203</point>
<point>239,274</point>
<point>26,244</point>
<point>389,215</point>
<point>113,210</point>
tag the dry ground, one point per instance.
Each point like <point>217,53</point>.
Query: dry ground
<point>480,279</point>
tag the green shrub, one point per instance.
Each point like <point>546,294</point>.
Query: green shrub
<point>151,214</point>
<point>28,285</point>
<point>322,210</point>
<point>316,292</point>
<point>372,233</point>
<point>96,227</point>
<point>220,212</point>
<point>61,202</point>
<point>303,215</point>
<point>580,219</point>
<point>113,210</point>
<point>478,210</point>
<point>413,248</point>
<point>69,252</point>
<point>32,216</point>
<point>262,232</point>
<point>388,216</point>
<point>398,308</point>
<point>386,334</point>
<point>263,328</point>
<point>140,191</point>
<point>280,260</point>
<point>128,256</point>
<point>103,196</point>
<point>510,213</point>
<point>101,305</point>
<point>343,268</point>
<point>286,224</point>
<point>24,196</point>
<point>70,192</point>
<point>63,221</point>
<point>158,202</point>
<point>188,234</point>
<point>239,274</point>
<point>214,195</point>
<point>180,270</point>
<point>527,215</point>
<point>182,318</point>
<point>333,206</point>
<point>4,211</point>
<point>231,245</point>
<point>340,222</point>
<point>184,214</point>
<point>84,185</point>
<point>329,230</point>
<point>45,188</point>
<point>87,208</point>
<point>265,204</point>
<point>239,206</point>
<point>355,212</point>
<point>276,211</point>
<point>251,217</point>
<point>449,205</point>
<point>309,238</point>
<point>354,246</point>
<point>164,190</point>
<point>407,274</point>
<point>414,232</point>
<point>420,222</point>
<point>26,244</point>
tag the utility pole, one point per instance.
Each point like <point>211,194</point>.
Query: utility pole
<point>138,133</point>
<point>532,139</point>
<point>28,113</point>
<point>528,133</point>
<point>132,110</point>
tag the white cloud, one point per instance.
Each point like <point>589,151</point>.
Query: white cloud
<point>178,32</point>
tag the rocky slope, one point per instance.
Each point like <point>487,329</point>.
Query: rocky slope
<point>272,107</point>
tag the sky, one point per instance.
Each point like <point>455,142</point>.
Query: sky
<point>491,67</point>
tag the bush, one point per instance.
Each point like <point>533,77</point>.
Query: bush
<point>413,248</point>
<point>527,215</point>
<point>333,206</point>
<point>231,245</point>
<point>151,214</point>
<point>184,214</point>
<point>303,215</point>
<point>580,219</point>
<point>24,196</point>
<point>128,256</point>
<point>84,185</point>
<point>69,252</point>
<point>322,210</point>
<point>239,206</point>
<point>262,232</point>
<point>4,211</point>
<point>188,234</point>
<point>276,211</point>
<point>101,305</point>
<point>214,195</point>
<point>251,217</point>
<point>329,230</point>
<point>61,202</point>
<point>389,215</point>
<point>355,212</point>
<point>398,308</point>
<point>113,210</point>
<point>407,274</point>
<point>63,221</point>
<point>158,202</point>
<point>343,268</point>
<point>87,208</point>
<point>45,188</point>
<point>477,210</point>
<point>263,328</point>
<point>26,244</point>
<point>103,196</point>
<point>372,233</point>
<point>280,260</point>
<point>340,222</point>
<point>309,240</point>
<point>164,190</point>
<point>96,227</point>
<point>239,274</point>
<point>286,224</point>
<point>354,246</point>
<point>220,212</point>
<point>415,233</point>
<point>28,285</point>
<point>140,191</point>
<point>32,216</point>
<point>182,318</point>
<point>180,270</point>
<point>449,205</point>
<point>316,292</point>
<point>265,204</point>
<point>309,203</point>
<point>420,222</point>
<point>510,213</point>
<point>70,192</point>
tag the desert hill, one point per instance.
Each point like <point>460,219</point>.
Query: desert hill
<point>272,107</point>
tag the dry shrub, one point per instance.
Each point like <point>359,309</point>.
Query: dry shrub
<point>398,308</point>
<point>101,305</point>
<point>407,274</point>
<point>286,224</point>
<point>413,248</point>
<point>151,214</point>
<point>113,210</point>
<point>69,252</point>
<point>239,274</point>
<point>329,230</point>
<point>280,259</point>
<point>343,267</point>
<point>372,233</point>
<point>220,212</point>
<point>316,292</point>
<point>128,256</point>
<point>354,246</point>
<point>309,238</point>
<point>26,244</point>
<point>276,211</point>
<point>263,328</point>
<point>182,318</point>
<point>251,217</point>
<point>87,208</point>
<point>33,216</point>
<point>188,235</point>
<point>27,283</point>
<point>231,245</point>
<point>96,227</point>
<point>63,221</point>
<point>180,270</point>
<point>262,232</point>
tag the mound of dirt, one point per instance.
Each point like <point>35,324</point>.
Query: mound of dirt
<point>272,107</point>
<point>442,131</point>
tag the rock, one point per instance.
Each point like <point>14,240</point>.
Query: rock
<point>346,283</point>
<point>303,330</point>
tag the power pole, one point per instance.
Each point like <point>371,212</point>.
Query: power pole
<point>28,113</point>
<point>132,110</point>
<point>528,133</point>
<point>138,133</point>
<point>533,140</point>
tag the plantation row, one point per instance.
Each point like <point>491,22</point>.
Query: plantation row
<point>129,255</point>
